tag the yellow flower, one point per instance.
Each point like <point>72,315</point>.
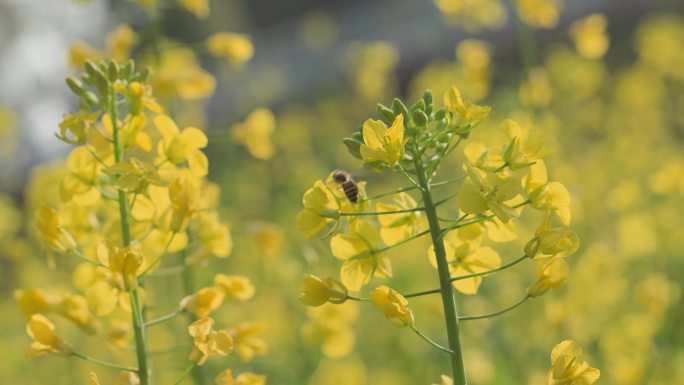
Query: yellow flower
<point>481,193</point>
<point>34,301</point>
<point>212,234</point>
<point>180,76</point>
<point>356,249</point>
<point>315,291</point>
<point>246,378</point>
<point>330,326</point>
<point>199,7</point>
<point>50,228</point>
<point>122,262</point>
<point>552,274</point>
<point>589,35</point>
<point>525,147</point>
<point>184,197</point>
<point>446,380</point>
<point>557,241</point>
<point>547,196</point>
<point>568,368</point>
<point>247,343</point>
<point>535,89</point>
<point>464,116</point>
<point>74,127</point>
<point>120,42</point>
<point>44,339</point>
<point>381,143</point>
<point>80,52</point>
<point>393,305</point>
<point>124,378</point>
<point>139,95</point>
<point>180,146</point>
<point>320,206</point>
<point>203,302</point>
<point>539,13</point>
<point>397,227</point>
<point>466,256</point>
<point>208,342</point>
<point>235,47</point>
<point>255,133</point>
<point>234,287</point>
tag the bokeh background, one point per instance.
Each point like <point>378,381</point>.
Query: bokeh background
<point>615,120</point>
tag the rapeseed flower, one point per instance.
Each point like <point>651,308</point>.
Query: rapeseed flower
<point>316,291</point>
<point>383,144</point>
<point>568,368</point>
<point>393,305</point>
<point>207,341</point>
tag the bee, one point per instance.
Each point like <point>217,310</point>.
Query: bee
<point>345,180</point>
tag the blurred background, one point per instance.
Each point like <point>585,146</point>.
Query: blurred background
<point>608,92</point>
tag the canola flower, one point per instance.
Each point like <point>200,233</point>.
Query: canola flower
<point>492,194</point>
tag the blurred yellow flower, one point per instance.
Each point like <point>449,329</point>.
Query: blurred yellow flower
<point>393,305</point>
<point>525,147</point>
<point>535,89</point>
<point>331,327</point>
<point>568,368</point>
<point>212,234</point>
<point>315,291</point>
<point>550,242</point>
<point>120,42</point>
<point>464,115</point>
<point>247,343</point>
<point>198,7</point>
<point>207,341</point>
<point>590,37</point>
<point>539,13</point>
<point>547,196</point>
<point>203,302</point>
<point>361,261</point>
<point>234,287</point>
<point>256,132</point>
<point>124,378</point>
<point>122,262</point>
<point>236,48</point>
<point>44,339</point>
<point>50,228</point>
<point>80,52</point>
<point>552,274</point>
<point>488,192</point>
<point>245,378</point>
<point>381,143</point>
<point>184,197</point>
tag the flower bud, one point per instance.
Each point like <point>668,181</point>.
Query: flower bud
<point>316,291</point>
<point>393,305</point>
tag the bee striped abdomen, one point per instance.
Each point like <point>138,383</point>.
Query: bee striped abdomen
<point>351,190</point>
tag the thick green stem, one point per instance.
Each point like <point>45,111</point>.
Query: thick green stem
<point>446,288</point>
<point>136,312</point>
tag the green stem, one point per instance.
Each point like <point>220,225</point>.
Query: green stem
<point>492,271</point>
<point>184,374</point>
<point>136,313</point>
<point>446,289</point>
<point>429,341</point>
<point>104,363</point>
<point>496,313</point>
<point>163,318</point>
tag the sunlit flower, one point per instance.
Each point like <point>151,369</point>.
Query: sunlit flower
<point>361,261</point>
<point>180,146</point>
<point>525,147</point>
<point>568,368</point>
<point>488,192</point>
<point>393,305</point>
<point>381,143</point>
<point>256,132</point>
<point>464,116</point>
<point>315,291</point>
<point>320,206</point>
<point>236,48</point>
<point>207,341</point>
<point>551,274</point>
